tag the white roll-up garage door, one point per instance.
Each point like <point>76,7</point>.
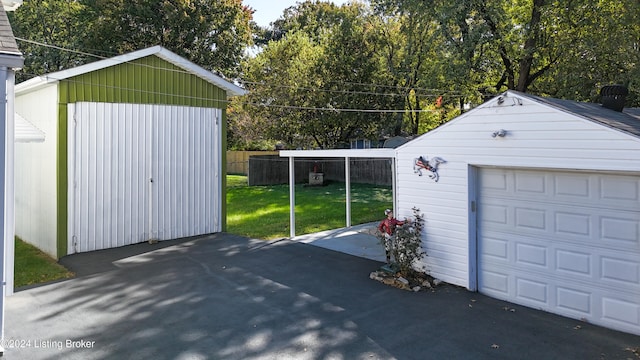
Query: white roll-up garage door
<point>563,242</point>
<point>140,172</point>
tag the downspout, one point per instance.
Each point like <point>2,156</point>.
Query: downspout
<point>3,189</point>
<point>10,228</point>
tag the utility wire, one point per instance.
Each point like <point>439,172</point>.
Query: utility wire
<point>288,107</point>
<point>432,92</point>
<point>291,107</point>
<point>59,48</point>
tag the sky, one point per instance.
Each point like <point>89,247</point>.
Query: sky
<point>268,11</point>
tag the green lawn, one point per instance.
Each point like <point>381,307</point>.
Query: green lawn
<point>263,211</point>
<point>32,266</point>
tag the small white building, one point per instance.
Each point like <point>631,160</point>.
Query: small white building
<point>537,203</point>
<point>133,152</point>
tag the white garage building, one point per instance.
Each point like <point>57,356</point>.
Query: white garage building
<point>133,152</point>
<point>538,203</point>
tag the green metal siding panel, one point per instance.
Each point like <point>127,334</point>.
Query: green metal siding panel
<point>223,172</point>
<point>61,195</point>
<point>149,80</point>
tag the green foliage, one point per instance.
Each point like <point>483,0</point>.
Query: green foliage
<point>32,266</point>
<point>406,243</point>
<point>299,83</point>
<point>53,22</point>
<point>212,34</point>
<point>325,74</point>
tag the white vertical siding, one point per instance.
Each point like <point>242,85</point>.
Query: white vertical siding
<point>109,158</point>
<point>142,172</point>
<point>35,171</point>
<point>186,186</point>
<point>538,136</point>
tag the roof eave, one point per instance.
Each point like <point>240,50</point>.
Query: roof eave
<point>230,88</point>
<point>12,60</point>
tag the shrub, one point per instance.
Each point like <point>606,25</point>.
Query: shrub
<point>406,243</point>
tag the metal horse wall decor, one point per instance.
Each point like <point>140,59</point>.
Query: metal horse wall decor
<point>421,163</point>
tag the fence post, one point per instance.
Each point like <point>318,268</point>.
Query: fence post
<point>292,197</point>
<point>347,185</point>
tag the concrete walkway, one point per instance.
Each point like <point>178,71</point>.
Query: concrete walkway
<point>229,297</point>
<point>358,240</point>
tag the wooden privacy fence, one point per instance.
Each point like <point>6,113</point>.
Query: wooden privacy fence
<point>272,170</point>
<point>238,161</point>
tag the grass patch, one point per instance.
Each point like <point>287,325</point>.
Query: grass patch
<point>33,266</point>
<point>263,211</point>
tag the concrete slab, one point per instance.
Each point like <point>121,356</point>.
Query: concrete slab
<point>228,297</point>
<point>358,240</point>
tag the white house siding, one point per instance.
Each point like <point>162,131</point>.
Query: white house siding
<point>538,137</point>
<point>35,168</point>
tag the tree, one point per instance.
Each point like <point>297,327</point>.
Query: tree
<point>412,50</point>
<point>211,33</point>
<point>314,17</point>
<point>549,47</point>
<point>595,52</point>
<point>279,79</point>
<point>317,88</point>
<point>49,22</point>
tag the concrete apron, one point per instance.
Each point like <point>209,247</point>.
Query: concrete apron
<point>358,240</point>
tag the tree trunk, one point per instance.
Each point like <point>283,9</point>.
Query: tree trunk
<point>524,78</point>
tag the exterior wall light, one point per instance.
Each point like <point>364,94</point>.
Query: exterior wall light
<point>499,133</point>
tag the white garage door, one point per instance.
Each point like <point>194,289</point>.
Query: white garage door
<point>141,172</point>
<point>564,242</point>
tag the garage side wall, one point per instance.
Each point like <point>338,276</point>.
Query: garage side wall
<point>149,80</point>
<point>537,137</point>
<point>35,172</point>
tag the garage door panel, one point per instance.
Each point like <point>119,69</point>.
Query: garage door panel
<point>565,242</point>
<point>184,174</point>
<point>622,229</point>
<point>572,223</point>
<point>496,282</point>
<point>566,188</point>
<point>574,300</point>
<point>530,254</point>
<point>574,263</point>
<point>496,248</point>
<point>531,218</point>
<point>530,183</point>
<point>572,186</point>
<point>619,270</point>
<point>620,190</point>
<point>108,183</point>
<point>584,225</point>
<point>531,290</point>
<point>626,313</point>
<point>141,172</point>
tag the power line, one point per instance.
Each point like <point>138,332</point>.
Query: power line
<point>289,107</point>
<point>431,92</point>
<point>60,48</point>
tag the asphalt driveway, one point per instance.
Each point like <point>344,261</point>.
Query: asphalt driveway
<point>228,297</point>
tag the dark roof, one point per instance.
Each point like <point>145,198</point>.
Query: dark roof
<point>8,43</point>
<point>627,121</point>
